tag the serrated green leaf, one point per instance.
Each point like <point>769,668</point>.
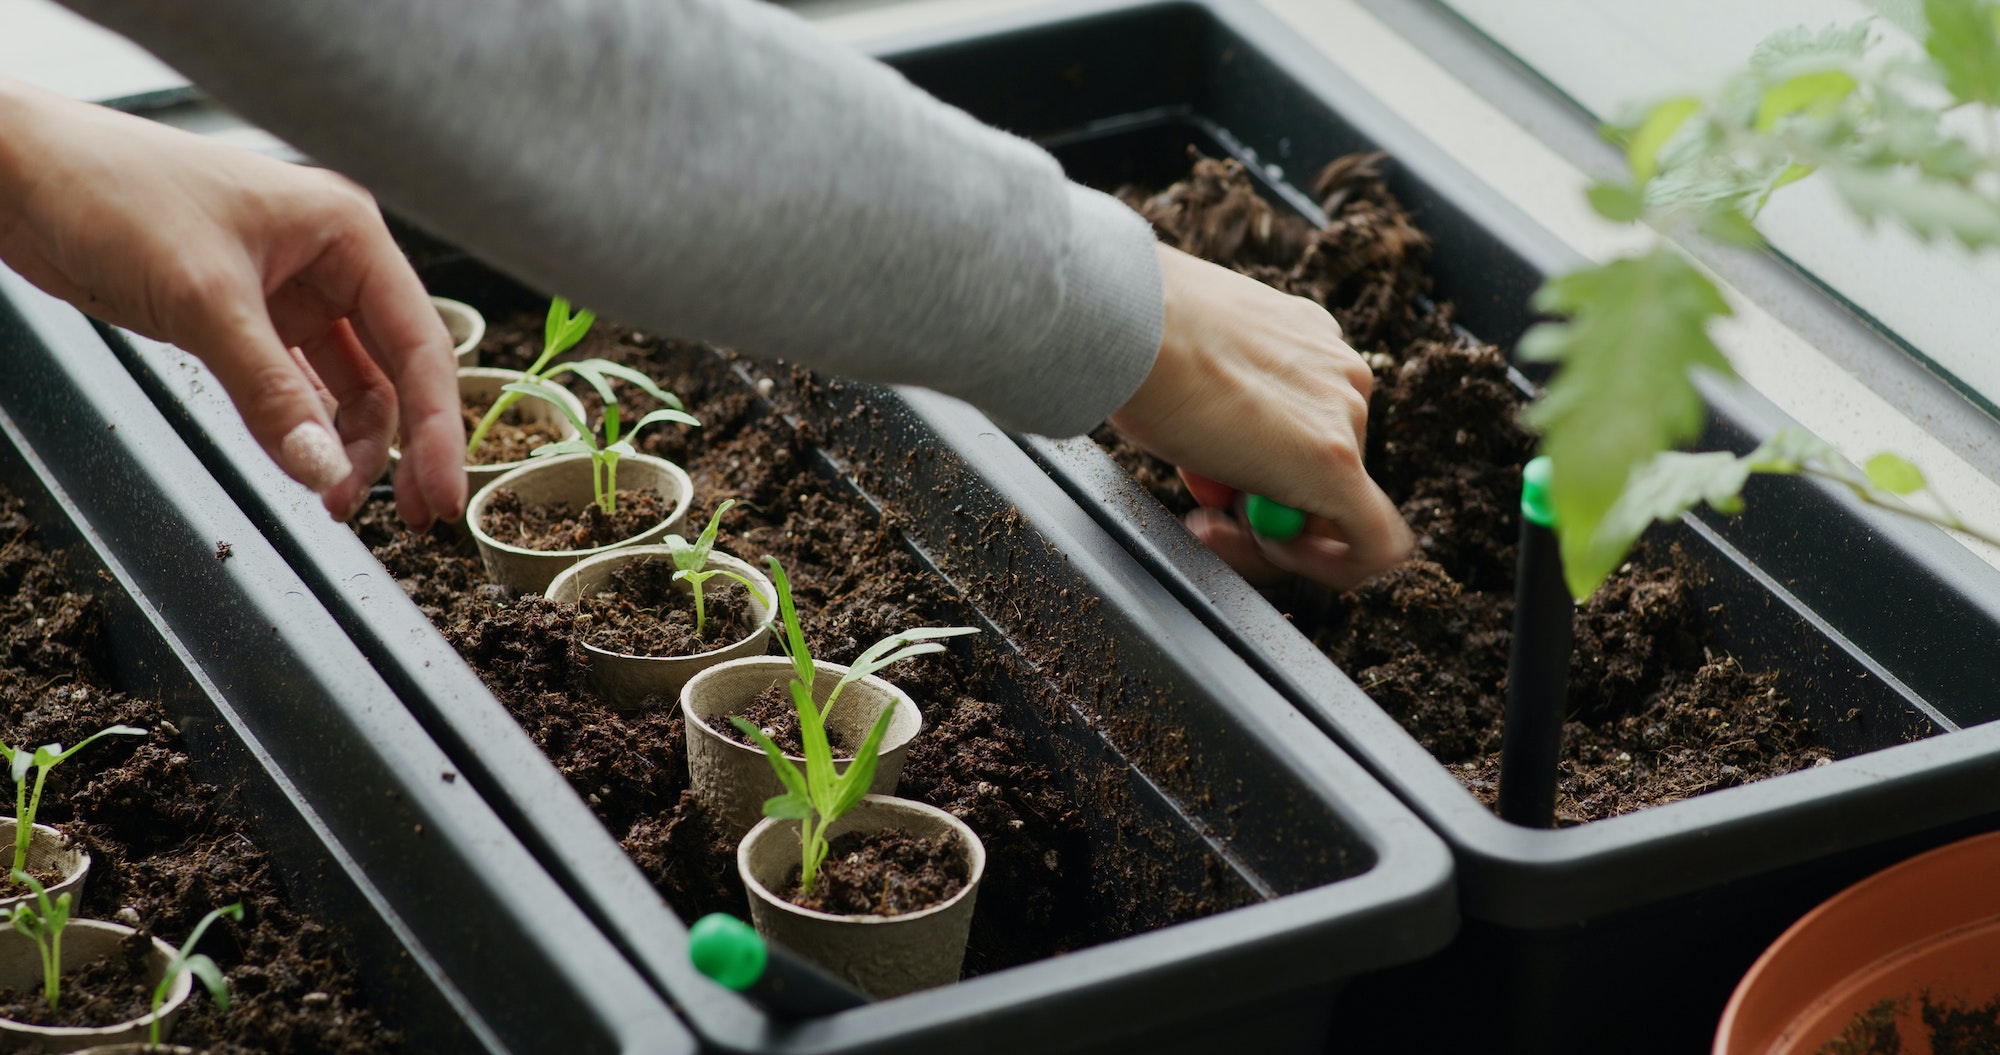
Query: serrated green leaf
<point>1930,208</point>
<point>1798,45</point>
<point>1895,474</point>
<point>1615,202</point>
<point>1624,389</point>
<point>1731,228</point>
<point>1642,149</point>
<point>1817,91</point>
<point>1670,484</point>
<point>1963,42</point>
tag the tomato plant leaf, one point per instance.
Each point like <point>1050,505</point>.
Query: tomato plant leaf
<point>1966,48</point>
<point>1616,202</point>
<point>1929,207</point>
<point>1894,474</point>
<point>1817,92</point>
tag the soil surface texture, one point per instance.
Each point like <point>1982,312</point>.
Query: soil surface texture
<point>103,992</point>
<point>1051,886</point>
<point>774,713</point>
<point>1951,1028</point>
<point>560,527</point>
<point>165,845</point>
<point>642,611</point>
<point>885,873</point>
<point>1655,713</point>
<point>511,439</point>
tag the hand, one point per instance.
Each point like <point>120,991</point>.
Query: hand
<point>282,279</point>
<point>1256,388</point>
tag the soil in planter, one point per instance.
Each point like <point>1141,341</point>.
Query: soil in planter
<point>1050,887</point>
<point>165,846</point>
<point>885,873</point>
<point>511,439</point>
<point>559,527</point>
<point>1655,714</point>
<point>642,611</point>
<point>777,716</point>
<point>48,877</point>
<point>1952,1029</point>
<point>101,993</point>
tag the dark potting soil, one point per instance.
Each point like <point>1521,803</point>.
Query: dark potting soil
<point>642,611</point>
<point>1951,1028</point>
<point>103,992</point>
<point>511,439</point>
<point>776,716</point>
<point>1656,714</point>
<point>165,846</point>
<point>1049,888</point>
<point>48,877</point>
<point>885,873</point>
<point>559,527</point>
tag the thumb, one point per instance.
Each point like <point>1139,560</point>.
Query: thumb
<point>272,392</point>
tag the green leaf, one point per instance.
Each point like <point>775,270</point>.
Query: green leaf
<point>818,750</point>
<point>538,390</point>
<point>1624,390</point>
<point>790,807</point>
<point>24,762</point>
<point>794,639</point>
<point>705,545</point>
<point>854,783</point>
<point>1895,474</point>
<point>211,978</point>
<point>116,730</point>
<point>1731,228</point>
<point>663,415</point>
<point>1642,149</point>
<point>1929,207</point>
<point>878,654</point>
<point>1661,490</point>
<point>787,772</point>
<point>1964,43</point>
<point>1616,202</point>
<point>550,450</point>
<point>645,384</point>
<point>1816,92</point>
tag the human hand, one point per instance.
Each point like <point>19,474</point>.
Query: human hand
<point>1256,388</point>
<point>283,279</point>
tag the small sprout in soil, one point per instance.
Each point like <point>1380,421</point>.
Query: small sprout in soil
<point>196,964</point>
<point>41,760</point>
<point>820,796</point>
<point>560,333</point>
<point>43,922</point>
<point>617,442</point>
<point>690,558</point>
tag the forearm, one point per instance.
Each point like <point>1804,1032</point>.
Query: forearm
<point>709,168</point>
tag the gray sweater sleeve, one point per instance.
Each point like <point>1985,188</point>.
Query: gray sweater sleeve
<point>712,169</point>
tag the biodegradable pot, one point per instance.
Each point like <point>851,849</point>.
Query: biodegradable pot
<point>84,941</point>
<point>483,383</point>
<point>1928,925</point>
<point>466,326</point>
<point>733,780</point>
<point>622,678</point>
<point>140,1048</point>
<point>565,480</point>
<point>883,956</point>
<point>48,851</point>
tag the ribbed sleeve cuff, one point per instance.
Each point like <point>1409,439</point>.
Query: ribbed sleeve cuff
<point>1104,338</point>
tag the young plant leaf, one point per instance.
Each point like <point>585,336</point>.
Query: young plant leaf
<point>115,730</point>
<point>644,383</point>
<point>794,639</point>
<point>1814,92</point>
<point>1963,42</point>
<point>791,807</point>
<point>787,772</point>
<point>1670,484</point>
<point>547,395</point>
<point>1929,207</point>
<point>211,978</point>
<point>662,416</point>
<point>1616,202</point>
<point>551,450</point>
<point>853,784</point>
<point>1895,474</point>
<point>1642,148</point>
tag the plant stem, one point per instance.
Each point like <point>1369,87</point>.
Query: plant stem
<point>700,616</point>
<point>24,825</point>
<point>1948,521</point>
<point>507,399</point>
<point>52,968</point>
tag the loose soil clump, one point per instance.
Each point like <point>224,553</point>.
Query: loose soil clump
<point>642,611</point>
<point>558,527</point>
<point>1952,1028</point>
<point>1655,715</point>
<point>885,873</point>
<point>511,439</point>
<point>103,992</point>
<point>166,846</point>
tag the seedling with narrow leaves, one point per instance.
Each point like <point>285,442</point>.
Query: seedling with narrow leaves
<point>560,332</point>
<point>820,796</point>
<point>616,441</point>
<point>197,964</point>
<point>43,922</point>
<point>691,565</point>
<point>39,762</point>
<point>1637,333</point>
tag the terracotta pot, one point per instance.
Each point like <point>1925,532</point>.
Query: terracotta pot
<point>84,941</point>
<point>882,956</point>
<point>483,384</point>
<point>466,326</point>
<point>565,479</point>
<point>48,851</point>
<point>622,678</point>
<point>733,780</point>
<point>1928,925</point>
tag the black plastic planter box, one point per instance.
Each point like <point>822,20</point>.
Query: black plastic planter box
<point>1624,934</point>
<point>461,938</point>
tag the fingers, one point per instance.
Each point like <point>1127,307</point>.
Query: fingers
<point>364,405</point>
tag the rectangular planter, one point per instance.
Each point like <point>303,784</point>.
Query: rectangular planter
<point>1623,934</point>
<point>463,941</point>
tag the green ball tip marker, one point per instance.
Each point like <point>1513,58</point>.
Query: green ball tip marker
<point>1274,520</point>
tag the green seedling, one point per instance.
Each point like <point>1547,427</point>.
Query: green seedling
<point>820,796</point>
<point>616,441</point>
<point>40,761</point>
<point>44,923</point>
<point>560,333</point>
<point>203,968</point>
<point>691,564</point>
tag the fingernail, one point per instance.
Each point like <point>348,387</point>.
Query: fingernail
<point>314,456</point>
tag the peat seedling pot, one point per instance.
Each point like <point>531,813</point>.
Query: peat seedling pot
<point>84,942</point>
<point>625,679</point>
<point>564,481</point>
<point>1872,964</point>
<point>466,326</point>
<point>882,956</point>
<point>480,386</point>
<point>48,851</point>
<point>140,1048</point>
<point>734,780</point>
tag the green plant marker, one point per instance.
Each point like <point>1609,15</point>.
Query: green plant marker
<point>1274,520</point>
<point>1538,664</point>
<point>732,953</point>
